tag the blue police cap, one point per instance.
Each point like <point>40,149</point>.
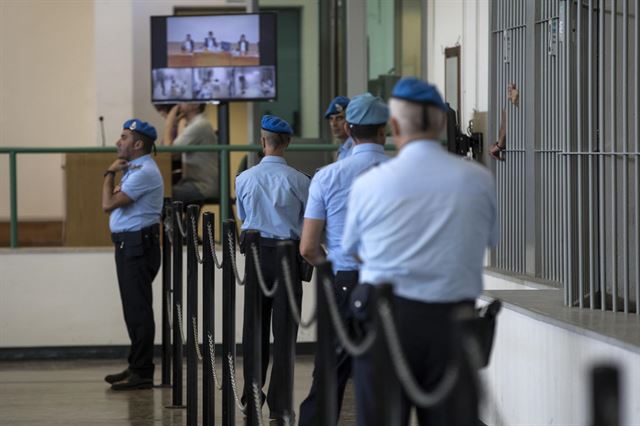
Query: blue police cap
<point>415,90</point>
<point>337,105</point>
<point>274,124</point>
<point>366,109</point>
<point>141,127</point>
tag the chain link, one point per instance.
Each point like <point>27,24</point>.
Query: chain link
<point>263,285</point>
<point>353,348</point>
<point>414,392</point>
<point>194,325</point>
<point>179,311</point>
<point>194,231</point>
<point>257,400</point>
<point>288,419</point>
<point>212,356</point>
<point>232,376</point>
<point>180,225</point>
<point>213,246</point>
<point>168,228</point>
<point>168,307</point>
<point>293,305</point>
<point>232,257</point>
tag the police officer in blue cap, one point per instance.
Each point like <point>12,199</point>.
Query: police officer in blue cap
<point>335,114</point>
<point>366,118</point>
<point>271,198</point>
<point>422,222</point>
<point>134,208</point>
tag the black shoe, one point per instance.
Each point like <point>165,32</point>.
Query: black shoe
<point>113,378</point>
<point>133,382</point>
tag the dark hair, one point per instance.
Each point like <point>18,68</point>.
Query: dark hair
<point>147,142</point>
<point>163,107</point>
<point>201,108</point>
<point>365,131</point>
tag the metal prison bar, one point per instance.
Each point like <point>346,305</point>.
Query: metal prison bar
<point>569,191</point>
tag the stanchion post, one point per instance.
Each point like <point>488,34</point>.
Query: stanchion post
<point>192,316</point>
<point>326,410</point>
<point>605,393</point>
<point>177,304</point>
<point>166,294</point>
<point>253,316</point>
<point>208,319</point>
<point>287,249</point>
<point>387,388</point>
<point>228,320</point>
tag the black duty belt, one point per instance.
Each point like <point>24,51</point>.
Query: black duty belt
<point>273,242</point>
<point>135,236</point>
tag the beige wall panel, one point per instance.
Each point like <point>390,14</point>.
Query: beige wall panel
<point>47,81</point>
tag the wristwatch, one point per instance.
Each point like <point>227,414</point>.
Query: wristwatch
<point>109,172</point>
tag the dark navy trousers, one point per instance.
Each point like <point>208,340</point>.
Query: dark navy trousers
<point>137,262</point>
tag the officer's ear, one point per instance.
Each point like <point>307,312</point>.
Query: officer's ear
<point>347,129</point>
<point>138,144</point>
<point>395,127</point>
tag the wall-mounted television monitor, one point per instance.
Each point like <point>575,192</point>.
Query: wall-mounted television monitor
<point>213,58</point>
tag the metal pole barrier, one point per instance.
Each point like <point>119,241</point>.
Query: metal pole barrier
<point>326,410</point>
<point>13,179</point>
<point>208,319</point>
<point>253,359</point>
<point>224,139</point>
<point>166,294</point>
<point>605,392</point>
<point>386,385</point>
<point>177,306</point>
<point>228,320</point>
<point>288,249</point>
<point>192,316</point>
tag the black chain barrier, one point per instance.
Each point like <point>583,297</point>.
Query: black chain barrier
<point>228,323</point>
<point>381,340</point>
<point>176,243</point>
<point>166,293</point>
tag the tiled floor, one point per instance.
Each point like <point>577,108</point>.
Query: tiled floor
<point>74,393</point>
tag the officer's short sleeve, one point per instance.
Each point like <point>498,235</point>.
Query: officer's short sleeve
<point>239,194</point>
<point>351,234</point>
<point>316,207</point>
<point>137,183</point>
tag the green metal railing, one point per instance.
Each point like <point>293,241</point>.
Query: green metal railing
<point>224,167</point>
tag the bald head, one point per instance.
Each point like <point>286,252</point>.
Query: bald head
<point>409,118</point>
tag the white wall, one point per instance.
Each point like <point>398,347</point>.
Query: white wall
<point>71,298</point>
<point>113,63</point>
<point>463,22</point>
<point>539,374</point>
<point>227,28</point>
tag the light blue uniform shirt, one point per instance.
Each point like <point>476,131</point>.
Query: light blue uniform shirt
<point>142,182</point>
<point>345,149</point>
<point>270,197</point>
<point>422,222</point>
<point>328,197</point>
